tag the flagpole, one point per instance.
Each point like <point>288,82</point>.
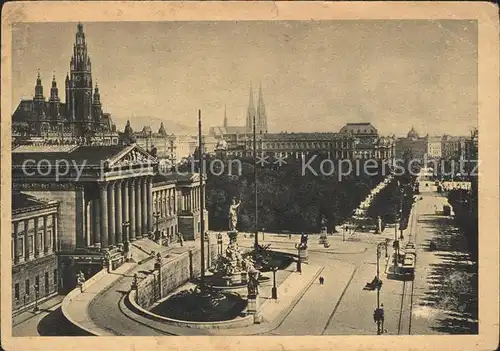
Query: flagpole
<point>202,205</point>
<point>255,186</point>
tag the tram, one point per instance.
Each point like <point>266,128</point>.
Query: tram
<point>407,269</point>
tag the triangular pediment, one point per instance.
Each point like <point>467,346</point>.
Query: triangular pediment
<point>132,155</point>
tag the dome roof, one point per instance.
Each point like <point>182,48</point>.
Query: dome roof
<point>412,133</point>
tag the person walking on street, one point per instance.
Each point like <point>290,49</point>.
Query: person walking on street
<point>321,280</point>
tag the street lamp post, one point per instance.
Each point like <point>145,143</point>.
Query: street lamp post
<point>274,290</point>
<point>219,243</point>
<point>299,263</point>
<point>36,299</point>
<point>157,215</point>
<point>126,244</point>
<point>377,317</point>
<point>401,212</point>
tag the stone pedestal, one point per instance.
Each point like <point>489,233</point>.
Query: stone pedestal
<point>236,278</point>
<point>253,304</point>
<point>244,277</point>
<point>303,255</point>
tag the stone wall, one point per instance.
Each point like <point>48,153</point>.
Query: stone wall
<point>175,272</point>
<point>45,269</point>
<point>147,290</point>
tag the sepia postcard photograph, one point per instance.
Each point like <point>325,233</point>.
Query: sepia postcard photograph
<point>250,175</point>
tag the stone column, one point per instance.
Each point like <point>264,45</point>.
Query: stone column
<point>103,188</point>
<point>16,243</point>
<point>111,214</point>
<point>118,212</point>
<point>149,199</point>
<point>27,245</point>
<point>144,204</point>
<point>46,247</point>
<point>165,204</point>
<point>95,223</point>
<point>138,209</point>
<point>198,198</point>
<point>35,238</point>
<point>155,202</point>
<point>193,194</point>
<point>174,201</point>
<point>88,224</point>
<point>158,208</point>
<point>132,210</point>
<point>55,232</point>
<point>125,210</point>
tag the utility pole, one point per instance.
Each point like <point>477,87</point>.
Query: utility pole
<point>202,205</point>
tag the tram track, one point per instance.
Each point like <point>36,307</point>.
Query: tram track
<point>406,305</point>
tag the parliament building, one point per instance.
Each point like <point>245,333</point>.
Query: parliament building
<point>81,199</point>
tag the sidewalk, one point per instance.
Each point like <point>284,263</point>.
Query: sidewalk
<point>76,307</point>
<point>25,323</point>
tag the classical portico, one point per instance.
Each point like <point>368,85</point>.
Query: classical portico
<point>105,195</point>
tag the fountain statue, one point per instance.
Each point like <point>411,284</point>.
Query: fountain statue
<point>233,267</point>
<point>233,215</point>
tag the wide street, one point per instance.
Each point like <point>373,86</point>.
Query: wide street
<point>340,306</point>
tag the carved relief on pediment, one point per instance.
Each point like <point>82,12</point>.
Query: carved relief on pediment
<point>134,157</point>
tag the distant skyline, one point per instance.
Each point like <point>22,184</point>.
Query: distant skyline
<point>315,75</point>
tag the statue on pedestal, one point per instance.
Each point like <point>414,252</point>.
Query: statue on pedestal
<point>233,215</point>
<point>379,225</point>
<point>253,283</point>
<point>303,242</point>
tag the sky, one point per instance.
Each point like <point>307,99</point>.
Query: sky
<point>315,75</point>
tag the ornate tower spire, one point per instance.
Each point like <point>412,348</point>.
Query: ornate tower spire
<point>80,89</point>
<point>128,129</point>
<point>97,95</point>
<point>250,112</point>
<point>54,101</point>
<point>96,107</point>
<point>162,130</point>
<point>39,88</point>
<point>261,113</point>
<point>225,117</point>
<point>54,91</point>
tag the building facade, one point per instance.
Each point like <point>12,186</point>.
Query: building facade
<point>79,118</point>
<point>453,147</point>
<point>434,149</point>
<point>108,194</point>
<point>35,274</point>
<point>412,143</point>
<point>356,140</point>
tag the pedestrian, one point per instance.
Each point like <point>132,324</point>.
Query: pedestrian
<point>321,280</point>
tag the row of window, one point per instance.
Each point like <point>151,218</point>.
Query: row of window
<point>21,244</point>
<point>29,224</point>
<point>36,286</point>
<point>302,145</point>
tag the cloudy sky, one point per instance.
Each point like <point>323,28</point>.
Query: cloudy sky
<point>316,76</point>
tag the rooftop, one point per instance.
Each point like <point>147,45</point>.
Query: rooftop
<point>23,202</point>
<point>80,155</point>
